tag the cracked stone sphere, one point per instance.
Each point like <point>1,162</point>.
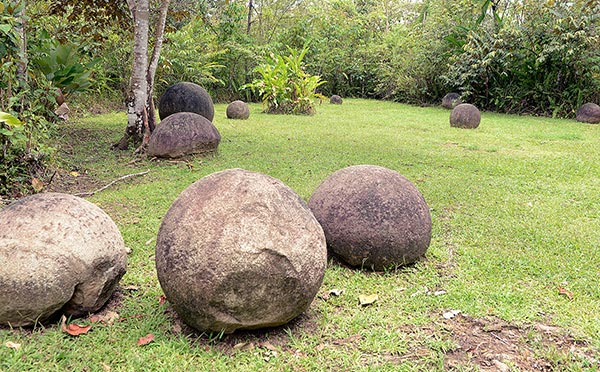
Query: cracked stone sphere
<point>589,113</point>
<point>239,250</point>
<point>183,133</point>
<point>60,254</point>
<point>186,97</point>
<point>238,110</point>
<point>465,116</point>
<point>372,217</point>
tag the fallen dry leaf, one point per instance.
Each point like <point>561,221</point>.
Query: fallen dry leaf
<point>73,329</point>
<point>37,184</point>
<point>162,299</point>
<point>320,347</point>
<point>267,345</point>
<point>365,300</point>
<point>565,292</point>
<point>145,340</point>
<point>74,174</point>
<point>12,345</point>
<point>105,366</point>
<point>107,318</point>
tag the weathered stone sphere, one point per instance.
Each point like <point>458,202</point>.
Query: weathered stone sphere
<point>239,250</point>
<point>335,99</point>
<point>186,97</point>
<point>451,100</point>
<point>238,110</point>
<point>589,113</point>
<point>372,217</point>
<point>466,116</point>
<point>60,254</point>
<point>183,133</point>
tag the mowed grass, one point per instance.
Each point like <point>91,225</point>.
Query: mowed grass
<point>516,217</point>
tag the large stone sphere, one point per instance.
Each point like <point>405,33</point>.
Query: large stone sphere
<point>451,100</point>
<point>335,100</point>
<point>589,113</point>
<point>183,133</point>
<point>60,254</point>
<point>239,250</point>
<point>238,110</point>
<point>466,116</point>
<point>186,97</point>
<point>372,217</point>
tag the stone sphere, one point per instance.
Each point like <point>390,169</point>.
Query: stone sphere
<point>335,99</point>
<point>238,110</point>
<point>466,116</point>
<point>589,113</point>
<point>60,254</point>
<point>186,97</point>
<point>239,250</point>
<point>372,217</point>
<point>183,133</point>
<point>451,100</point>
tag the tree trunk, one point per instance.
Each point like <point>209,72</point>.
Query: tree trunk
<point>249,23</point>
<point>21,28</point>
<point>152,66</point>
<point>137,118</point>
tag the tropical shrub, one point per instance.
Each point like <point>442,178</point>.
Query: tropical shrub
<point>285,87</point>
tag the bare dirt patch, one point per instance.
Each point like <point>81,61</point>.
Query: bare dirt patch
<point>492,344</point>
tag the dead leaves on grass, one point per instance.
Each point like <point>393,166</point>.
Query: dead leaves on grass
<point>72,328</point>
<point>145,340</point>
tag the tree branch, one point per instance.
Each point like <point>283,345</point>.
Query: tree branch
<point>112,183</point>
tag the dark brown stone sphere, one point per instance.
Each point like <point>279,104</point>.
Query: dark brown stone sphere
<point>589,113</point>
<point>183,133</point>
<point>239,250</point>
<point>335,99</point>
<point>186,97</point>
<point>372,217</point>
<point>466,116</point>
<point>451,100</point>
<point>238,110</point>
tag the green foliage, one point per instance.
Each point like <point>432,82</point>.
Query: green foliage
<point>285,87</point>
<point>60,64</point>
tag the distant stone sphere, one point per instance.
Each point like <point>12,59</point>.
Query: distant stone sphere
<point>589,113</point>
<point>60,254</point>
<point>186,97</point>
<point>238,110</point>
<point>239,250</point>
<point>372,217</point>
<point>183,133</point>
<point>451,100</point>
<point>466,116</point>
<point>335,99</point>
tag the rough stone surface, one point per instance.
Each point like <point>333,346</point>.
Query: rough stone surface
<point>335,99</point>
<point>183,133</point>
<point>239,250</point>
<point>589,113</point>
<point>451,100</point>
<point>238,110</point>
<point>372,217</point>
<point>186,97</point>
<point>466,116</point>
<point>59,254</point>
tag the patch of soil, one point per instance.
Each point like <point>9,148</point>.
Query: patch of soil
<point>492,344</point>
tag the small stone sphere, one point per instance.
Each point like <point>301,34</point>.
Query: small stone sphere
<point>335,99</point>
<point>186,97</point>
<point>238,110</point>
<point>183,133</point>
<point>372,217</point>
<point>239,250</point>
<point>451,100</point>
<point>466,116</point>
<point>60,254</point>
<point>589,113</point>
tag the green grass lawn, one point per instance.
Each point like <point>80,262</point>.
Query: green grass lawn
<point>516,216</point>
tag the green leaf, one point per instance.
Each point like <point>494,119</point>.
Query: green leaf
<point>10,119</point>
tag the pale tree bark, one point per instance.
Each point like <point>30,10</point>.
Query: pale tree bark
<point>151,72</point>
